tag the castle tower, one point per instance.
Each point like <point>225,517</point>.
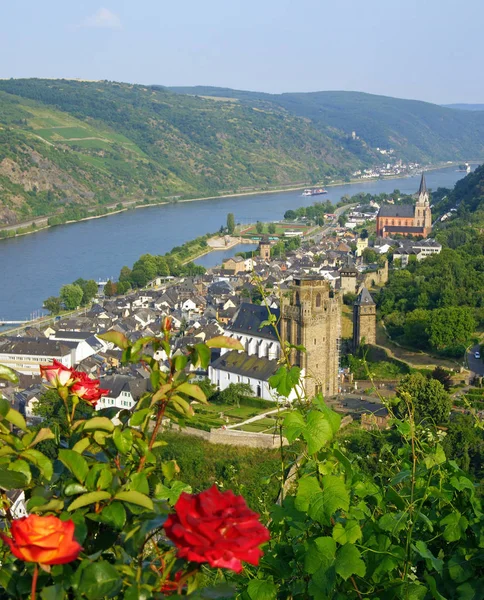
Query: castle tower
<point>265,248</point>
<point>347,277</point>
<point>423,213</point>
<point>364,319</point>
<point>312,318</point>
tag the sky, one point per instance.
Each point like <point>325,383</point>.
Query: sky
<point>429,50</point>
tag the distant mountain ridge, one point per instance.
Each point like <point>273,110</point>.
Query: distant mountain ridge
<point>419,131</point>
<point>68,146</point>
<point>465,106</point>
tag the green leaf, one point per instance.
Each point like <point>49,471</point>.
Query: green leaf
<point>8,374</point>
<point>318,431</point>
<point>114,514</point>
<point>21,466</point>
<point>455,526</point>
<point>294,424</point>
<point>76,464</point>
<point>89,498</point>
<point>437,563</point>
<point>170,469</point>
<point>12,480</point>
<point>334,496</point>
<point>348,562</point>
<point>139,483</point>
<point>331,416</point>
<point>139,416</point>
<point>285,379</point>
<point>260,589</point>
<point>81,445</point>
<point>135,498</point>
<point>123,440</point>
<point>339,534</point>
<point>172,492</point>
<point>102,423</point>
<point>353,531</point>
<point>223,341</point>
<point>202,355</point>
<point>72,489</point>
<point>39,460</point>
<point>436,458</point>
<point>116,338</point>
<point>320,555</point>
<point>53,592</point>
<point>99,580</point>
<point>42,435</point>
<point>192,390</point>
<point>411,591</point>
<point>16,419</point>
<point>308,488</point>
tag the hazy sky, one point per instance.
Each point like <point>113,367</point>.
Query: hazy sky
<point>427,49</point>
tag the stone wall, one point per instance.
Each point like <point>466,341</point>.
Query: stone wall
<point>234,438</point>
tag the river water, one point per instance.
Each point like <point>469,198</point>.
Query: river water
<point>34,267</point>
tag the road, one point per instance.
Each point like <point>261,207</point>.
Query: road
<point>476,365</point>
<point>327,228</point>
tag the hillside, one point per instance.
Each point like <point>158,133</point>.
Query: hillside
<point>465,106</point>
<point>418,131</point>
<point>69,144</point>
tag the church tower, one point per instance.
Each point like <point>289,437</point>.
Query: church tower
<point>312,318</point>
<point>364,320</point>
<point>423,214</point>
<point>265,248</point>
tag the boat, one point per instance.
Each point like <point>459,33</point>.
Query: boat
<point>314,192</point>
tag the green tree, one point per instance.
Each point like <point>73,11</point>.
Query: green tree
<point>89,289</point>
<point>71,295</point>
<point>443,376</point>
<point>230,223</point>
<point>450,327</point>
<point>53,305</point>
<point>415,328</point>
<point>110,288</point>
<point>271,228</point>
<point>370,256</point>
<point>125,274</point>
<point>290,215</point>
<point>259,227</point>
<point>427,397</point>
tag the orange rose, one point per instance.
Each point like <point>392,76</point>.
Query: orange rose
<point>44,540</point>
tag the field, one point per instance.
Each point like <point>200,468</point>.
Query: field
<point>217,415</point>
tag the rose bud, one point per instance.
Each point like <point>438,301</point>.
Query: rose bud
<point>166,324</point>
<point>43,540</point>
<point>218,528</point>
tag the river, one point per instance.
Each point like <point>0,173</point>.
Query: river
<point>34,267</point>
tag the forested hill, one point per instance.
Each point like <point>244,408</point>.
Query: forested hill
<point>419,131</point>
<point>68,145</point>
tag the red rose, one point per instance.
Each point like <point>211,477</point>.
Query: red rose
<point>44,540</point>
<point>218,528</point>
<point>87,389</point>
<point>166,324</point>
<point>57,374</point>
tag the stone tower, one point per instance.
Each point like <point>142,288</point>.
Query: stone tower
<point>423,213</point>
<point>312,318</point>
<point>364,319</point>
<point>265,248</point>
<point>347,277</point>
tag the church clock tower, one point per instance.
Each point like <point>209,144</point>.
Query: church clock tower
<point>423,214</point>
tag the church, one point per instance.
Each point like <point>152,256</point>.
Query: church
<point>310,317</point>
<point>405,219</point>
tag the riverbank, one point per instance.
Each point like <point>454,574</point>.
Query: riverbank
<point>39,223</point>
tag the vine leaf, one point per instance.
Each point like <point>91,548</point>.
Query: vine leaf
<point>284,380</point>
<point>348,562</point>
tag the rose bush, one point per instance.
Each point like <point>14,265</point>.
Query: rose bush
<point>218,528</point>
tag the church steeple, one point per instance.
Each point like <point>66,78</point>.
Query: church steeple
<point>423,186</point>
<point>423,194</point>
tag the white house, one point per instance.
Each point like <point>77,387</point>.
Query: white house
<point>25,355</point>
<point>124,391</point>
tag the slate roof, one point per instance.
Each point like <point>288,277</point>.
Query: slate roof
<point>248,319</point>
<point>36,346</point>
<point>364,298</point>
<point>240,363</point>
<point>423,186</point>
<point>124,383</point>
<point>403,229</point>
<point>406,211</point>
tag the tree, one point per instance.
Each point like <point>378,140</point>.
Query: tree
<point>443,376</point>
<point>364,234</point>
<point>290,215</point>
<point>271,228</point>
<point>89,289</point>
<point>342,219</point>
<point>71,295</point>
<point>231,223</point>
<point>53,305</point>
<point>415,328</point>
<point>125,274</point>
<point>427,396</point>
<point>234,393</point>
<point>369,255</point>
<point>451,327</point>
<point>260,227</point>
<point>110,288</point>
